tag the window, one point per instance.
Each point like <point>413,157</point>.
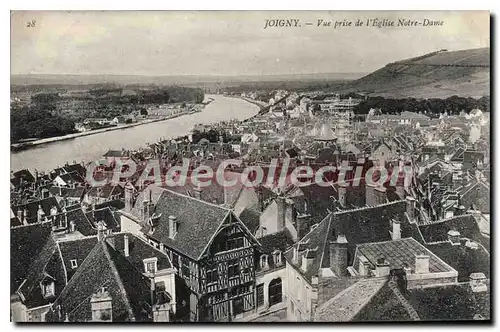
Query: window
<point>74,263</point>
<point>185,270</point>
<point>263,262</point>
<point>277,257</point>
<point>150,265</point>
<point>233,268</point>
<point>212,276</point>
<point>234,243</point>
<point>260,295</point>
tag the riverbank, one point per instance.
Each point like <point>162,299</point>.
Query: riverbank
<point>27,145</point>
<point>46,157</point>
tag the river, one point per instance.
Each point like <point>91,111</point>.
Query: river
<point>48,156</point>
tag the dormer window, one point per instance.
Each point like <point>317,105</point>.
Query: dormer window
<point>48,289</point>
<point>150,265</point>
<point>263,262</point>
<point>277,257</point>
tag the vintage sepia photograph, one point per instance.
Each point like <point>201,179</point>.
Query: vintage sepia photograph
<point>250,166</point>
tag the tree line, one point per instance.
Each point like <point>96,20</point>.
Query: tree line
<point>452,105</point>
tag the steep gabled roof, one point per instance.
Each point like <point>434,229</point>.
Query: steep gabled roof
<point>465,224</point>
<point>348,303</point>
<point>363,225</point>
<point>138,251</point>
<point>47,263</point>
<point>76,250</point>
<point>197,222</point>
<point>104,267</point>
<point>26,242</point>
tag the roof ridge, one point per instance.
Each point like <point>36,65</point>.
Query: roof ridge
<point>194,198</point>
<point>369,207</point>
<point>445,220</point>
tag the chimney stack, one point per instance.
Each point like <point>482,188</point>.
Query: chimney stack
<point>410,208</point>
<point>172,226</point>
<point>477,282</point>
<point>126,247</point>
<point>343,194</point>
<point>338,255</point>
<point>370,195</point>
<point>422,264</point>
<point>380,195</point>
<point>454,237</point>
<point>281,205</point>
<point>197,191</point>
<point>382,269</point>
<point>396,229</point>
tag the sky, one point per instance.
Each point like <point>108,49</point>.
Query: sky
<point>157,43</point>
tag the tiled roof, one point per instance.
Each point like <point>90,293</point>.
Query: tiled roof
<point>138,250</point>
<point>76,250</point>
<point>251,218</point>
<point>477,195</point>
<point>47,263</point>
<point>364,225</point>
<point>281,241</point>
<point>26,242</point>
<point>32,208</point>
<point>197,221</point>
<point>67,192</point>
<point>24,175</point>
<point>398,253</point>
<point>463,259</point>
<point>73,177</point>
<point>383,306</point>
<point>105,215</point>
<point>104,267</point>
<point>348,303</point>
<point>454,302</point>
<point>465,224</point>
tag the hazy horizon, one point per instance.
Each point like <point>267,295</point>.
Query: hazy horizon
<point>226,43</point>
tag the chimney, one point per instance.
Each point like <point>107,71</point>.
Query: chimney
<point>281,211</point>
<point>295,253</point>
<point>459,210</point>
<point>25,217</point>
<point>172,226</point>
<point>396,230</point>
<point>197,191</point>
<point>364,266</point>
<point>20,215</point>
<point>307,259</point>
<point>100,231</point>
<point>370,195</point>
<point>400,191</point>
<point>102,306</point>
<point>410,208</point>
<point>380,195</point>
<point>477,282</point>
<point>338,255</point>
<point>129,194</point>
<point>303,224</point>
<point>421,264</point>
<point>454,237</point>
<point>342,190</point>
<point>382,269</point>
<point>126,247</point>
